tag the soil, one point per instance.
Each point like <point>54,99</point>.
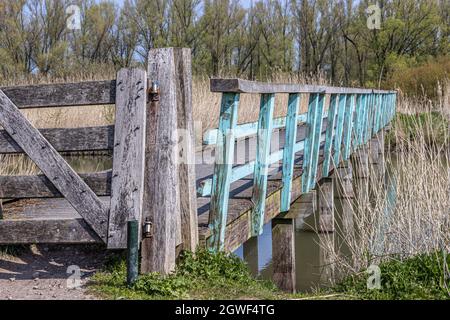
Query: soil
<point>49,272</point>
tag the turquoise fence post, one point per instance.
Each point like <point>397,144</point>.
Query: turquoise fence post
<point>309,138</point>
<point>339,128</point>
<point>288,152</point>
<point>327,153</point>
<point>348,127</point>
<point>264,137</point>
<point>224,156</point>
<point>359,110</point>
<point>317,141</point>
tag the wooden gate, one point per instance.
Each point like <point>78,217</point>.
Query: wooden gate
<point>153,173</point>
<point>100,220</point>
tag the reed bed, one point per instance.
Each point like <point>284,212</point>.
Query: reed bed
<point>408,212</point>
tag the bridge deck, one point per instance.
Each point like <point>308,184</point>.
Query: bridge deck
<point>240,205</point>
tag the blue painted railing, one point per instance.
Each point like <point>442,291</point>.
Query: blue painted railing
<point>353,117</point>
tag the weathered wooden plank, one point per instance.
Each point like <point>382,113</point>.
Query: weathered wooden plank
<point>39,186</point>
<point>68,231</point>
<point>67,140</point>
<point>288,151</point>
<point>332,115</point>
<point>348,127</point>
<point>312,173</point>
<point>161,194</point>
<point>127,186</point>
<point>339,129</point>
<point>309,140</point>
<point>242,171</point>
<point>65,179</point>
<point>245,86</point>
<point>186,178</point>
<point>223,170</point>
<point>248,129</point>
<point>264,138</point>
<point>283,254</point>
<point>63,94</point>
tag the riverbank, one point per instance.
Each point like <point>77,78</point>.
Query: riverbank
<point>221,276</point>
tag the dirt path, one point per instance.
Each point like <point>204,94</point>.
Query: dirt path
<point>49,272</point>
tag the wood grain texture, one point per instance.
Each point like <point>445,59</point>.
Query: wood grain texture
<point>288,152</point>
<point>63,177</point>
<point>246,86</point>
<point>283,254</point>
<point>40,186</point>
<point>186,152</point>
<point>161,195</point>
<point>127,186</point>
<point>68,231</point>
<point>332,115</point>
<point>262,162</point>
<point>62,95</point>
<point>67,140</point>
<point>222,171</point>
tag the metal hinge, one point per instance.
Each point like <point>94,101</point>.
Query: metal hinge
<point>153,91</point>
<point>147,230</point>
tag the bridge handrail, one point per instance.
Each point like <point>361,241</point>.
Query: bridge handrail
<point>353,115</point>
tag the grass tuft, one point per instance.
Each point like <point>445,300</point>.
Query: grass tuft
<point>424,276</point>
<point>203,275</point>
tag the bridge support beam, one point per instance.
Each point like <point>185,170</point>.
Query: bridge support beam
<point>360,163</point>
<point>304,209</point>
<point>250,253</point>
<point>343,177</point>
<point>283,254</point>
<point>325,205</point>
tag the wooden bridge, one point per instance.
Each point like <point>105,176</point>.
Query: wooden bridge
<point>246,175</point>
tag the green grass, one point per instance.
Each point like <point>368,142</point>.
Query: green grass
<point>432,126</point>
<point>420,277</point>
<point>203,276</point>
<point>225,276</point>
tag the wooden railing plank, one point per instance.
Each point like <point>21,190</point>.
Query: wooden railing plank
<point>62,95</point>
<point>331,122</point>
<point>264,137</point>
<point>61,231</point>
<point>39,186</point>
<point>53,165</point>
<point>312,174</point>
<point>339,128</point>
<point>246,86</point>
<point>67,139</point>
<point>288,151</point>
<point>127,189</point>
<point>223,170</point>
<point>348,127</point>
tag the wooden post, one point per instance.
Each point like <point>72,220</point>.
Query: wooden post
<point>360,163</point>
<point>169,193</point>
<point>250,253</point>
<point>305,209</point>
<point>283,254</point>
<point>325,205</point>
<point>344,187</point>
<point>127,186</point>
<point>264,138</point>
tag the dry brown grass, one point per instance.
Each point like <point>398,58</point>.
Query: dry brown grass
<point>409,211</point>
